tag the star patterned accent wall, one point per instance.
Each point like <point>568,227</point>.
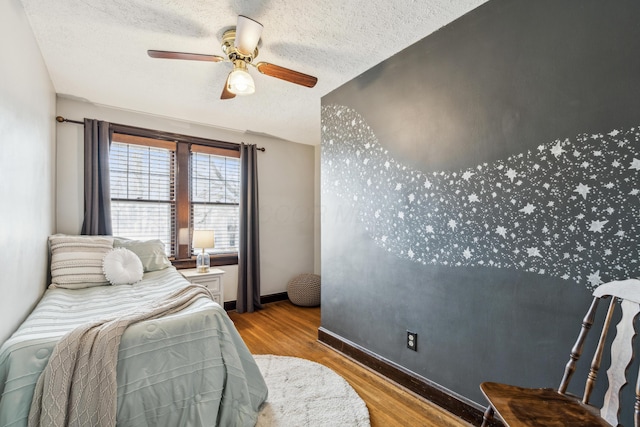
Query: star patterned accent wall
<point>568,209</point>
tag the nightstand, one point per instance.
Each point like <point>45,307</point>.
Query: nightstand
<point>211,279</point>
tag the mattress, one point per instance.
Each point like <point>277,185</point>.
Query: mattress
<point>190,368</point>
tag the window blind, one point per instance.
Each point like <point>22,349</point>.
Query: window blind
<point>215,195</point>
<point>143,189</point>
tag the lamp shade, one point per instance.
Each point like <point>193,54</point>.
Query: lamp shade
<point>240,82</point>
<point>203,239</point>
<point>248,34</point>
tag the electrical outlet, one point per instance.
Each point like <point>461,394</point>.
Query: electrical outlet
<point>412,340</point>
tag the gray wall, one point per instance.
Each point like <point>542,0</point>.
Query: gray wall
<point>27,168</point>
<point>476,187</point>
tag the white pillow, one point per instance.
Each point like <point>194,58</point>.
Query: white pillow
<point>122,267</point>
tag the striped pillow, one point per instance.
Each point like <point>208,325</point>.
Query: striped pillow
<point>76,261</point>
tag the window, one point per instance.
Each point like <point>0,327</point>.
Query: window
<point>215,187</point>
<point>143,192</point>
<point>153,197</point>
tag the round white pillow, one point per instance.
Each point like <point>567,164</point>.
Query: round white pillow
<point>122,267</point>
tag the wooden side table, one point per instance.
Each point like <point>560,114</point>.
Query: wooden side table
<point>211,279</point>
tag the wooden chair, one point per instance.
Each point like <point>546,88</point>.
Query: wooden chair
<point>517,406</point>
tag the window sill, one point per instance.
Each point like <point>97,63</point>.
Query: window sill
<point>215,261</point>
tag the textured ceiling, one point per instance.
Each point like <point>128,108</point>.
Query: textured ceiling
<point>96,50</point>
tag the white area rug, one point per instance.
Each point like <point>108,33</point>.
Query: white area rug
<point>303,393</point>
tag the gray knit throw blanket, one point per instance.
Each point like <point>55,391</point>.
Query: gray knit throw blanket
<point>78,385</point>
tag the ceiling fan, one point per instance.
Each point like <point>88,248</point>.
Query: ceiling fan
<point>240,46</point>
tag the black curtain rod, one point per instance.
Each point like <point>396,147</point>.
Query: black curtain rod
<point>61,119</point>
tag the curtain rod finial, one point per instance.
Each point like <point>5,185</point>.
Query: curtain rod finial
<point>60,119</point>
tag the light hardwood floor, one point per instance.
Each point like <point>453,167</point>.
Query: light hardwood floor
<point>284,329</point>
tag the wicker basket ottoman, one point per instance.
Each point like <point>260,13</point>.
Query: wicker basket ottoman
<point>304,290</point>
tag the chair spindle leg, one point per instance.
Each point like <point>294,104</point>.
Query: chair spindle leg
<point>488,416</point>
<point>597,357</point>
<point>576,351</point>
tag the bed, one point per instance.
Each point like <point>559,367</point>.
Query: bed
<point>187,368</point>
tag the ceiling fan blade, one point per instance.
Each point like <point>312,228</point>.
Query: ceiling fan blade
<point>286,74</point>
<point>248,34</point>
<point>181,55</point>
<point>225,92</point>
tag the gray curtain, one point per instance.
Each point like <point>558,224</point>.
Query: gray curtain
<point>249,246</point>
<point>97,194</point>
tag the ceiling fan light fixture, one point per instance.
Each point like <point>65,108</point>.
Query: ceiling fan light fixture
<point>240,82</point>
<point>240,46</point>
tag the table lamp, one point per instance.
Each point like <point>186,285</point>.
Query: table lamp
<point>203,239</point>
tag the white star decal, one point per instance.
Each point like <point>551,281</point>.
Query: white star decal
<point>466,253</point>
<point>501,231</point>
<point>557,150</point>
<point>594,278</point>
<point>596,226</point>
<point>511,174</point>
<point>452,224</point>
<point>635,164</point>
<point>467,175</point>
<point>429,229</point>
<point>473,198</point>
<point>583,190</point>
<point>528,209</point>
<point>533,252</point>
